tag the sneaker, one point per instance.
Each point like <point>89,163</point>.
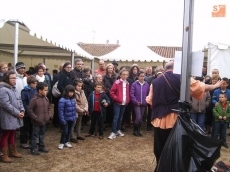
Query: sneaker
<point>119,133</point>
<point>45,150</point>
<point>61,146</point>
<point>35,152</point>
<point>112,136</point>
<point>68,145</point>
<point>73,140</point>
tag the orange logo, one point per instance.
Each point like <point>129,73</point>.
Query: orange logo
<point>219,11</point>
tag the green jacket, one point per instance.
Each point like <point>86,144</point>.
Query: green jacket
<point>219,111</point>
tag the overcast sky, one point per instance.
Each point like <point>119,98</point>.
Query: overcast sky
<point>139,22</point>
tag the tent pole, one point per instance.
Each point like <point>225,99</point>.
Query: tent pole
<point>16,43</point>
<point>186,50</point>
<point>208,60</point>
<point>92,66</point>
<point>72,59</point>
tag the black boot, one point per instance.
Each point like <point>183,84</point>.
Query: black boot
<point>135,129</point>
<point>139,130</point>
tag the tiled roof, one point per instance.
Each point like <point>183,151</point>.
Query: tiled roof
<point>98,50</point>
<point>168,52</point>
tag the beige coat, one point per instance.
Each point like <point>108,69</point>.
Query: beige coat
<point>82,103</point>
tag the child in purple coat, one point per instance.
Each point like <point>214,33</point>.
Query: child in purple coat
<point>138,92</point>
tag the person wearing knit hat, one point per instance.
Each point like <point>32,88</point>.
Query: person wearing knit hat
<point>20,65</point>
<point>21,79</point>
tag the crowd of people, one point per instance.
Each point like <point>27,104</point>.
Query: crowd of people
<point>105,97</point>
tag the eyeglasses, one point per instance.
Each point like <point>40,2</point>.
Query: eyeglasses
<point>12,78</point>
<point>68,67</point>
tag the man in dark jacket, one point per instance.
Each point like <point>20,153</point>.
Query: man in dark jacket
<point>165,96</point>
<point>78,73</point>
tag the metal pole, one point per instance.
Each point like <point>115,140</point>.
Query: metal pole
<point>92,66</point>
<point>186,50</point>
<point>72,59</point>
<point>16,43</point>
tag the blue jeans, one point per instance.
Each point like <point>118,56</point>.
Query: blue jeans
<point>66,131</point>
<point>118,112</point>
<point>198,118</point>
<point>38,134</point>
<point>220,130</point>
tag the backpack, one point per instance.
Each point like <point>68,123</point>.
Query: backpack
<point>56,93</point>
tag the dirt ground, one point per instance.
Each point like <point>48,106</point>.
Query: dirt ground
<point>123,154</point>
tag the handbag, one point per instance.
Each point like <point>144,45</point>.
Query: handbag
<point>56,93</point>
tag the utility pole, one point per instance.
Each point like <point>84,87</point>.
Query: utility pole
<point>186,50</point>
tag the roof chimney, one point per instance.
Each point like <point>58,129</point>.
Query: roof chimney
<point>117,42</point>
<point>107,42</point>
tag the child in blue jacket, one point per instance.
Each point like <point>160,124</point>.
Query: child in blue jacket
<point>67,115</point>
<point>26,95</point>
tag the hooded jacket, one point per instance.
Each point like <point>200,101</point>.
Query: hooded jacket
<point>27,94</point>
<point>39,110</point>
<point>219,111</point>
<point>67,110</point>
<point>139,92</point>
<point>11,106</point>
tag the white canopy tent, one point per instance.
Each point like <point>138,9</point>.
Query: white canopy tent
<point>31,44</point>
<point>133,53</point>
<point>219,58</point>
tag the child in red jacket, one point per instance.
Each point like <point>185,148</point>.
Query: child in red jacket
<point>120,95</point>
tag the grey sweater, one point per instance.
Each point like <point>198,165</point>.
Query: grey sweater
<point>10,105</point>
<point>199,106</point>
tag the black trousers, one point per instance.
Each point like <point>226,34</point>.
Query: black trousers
<point>26,131</point>
<point>55,115</point>
<point>109,113</point>
<point>96,116</point>
<point>149,116</point>
<point>160,138</point>
<point>129,111</point>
